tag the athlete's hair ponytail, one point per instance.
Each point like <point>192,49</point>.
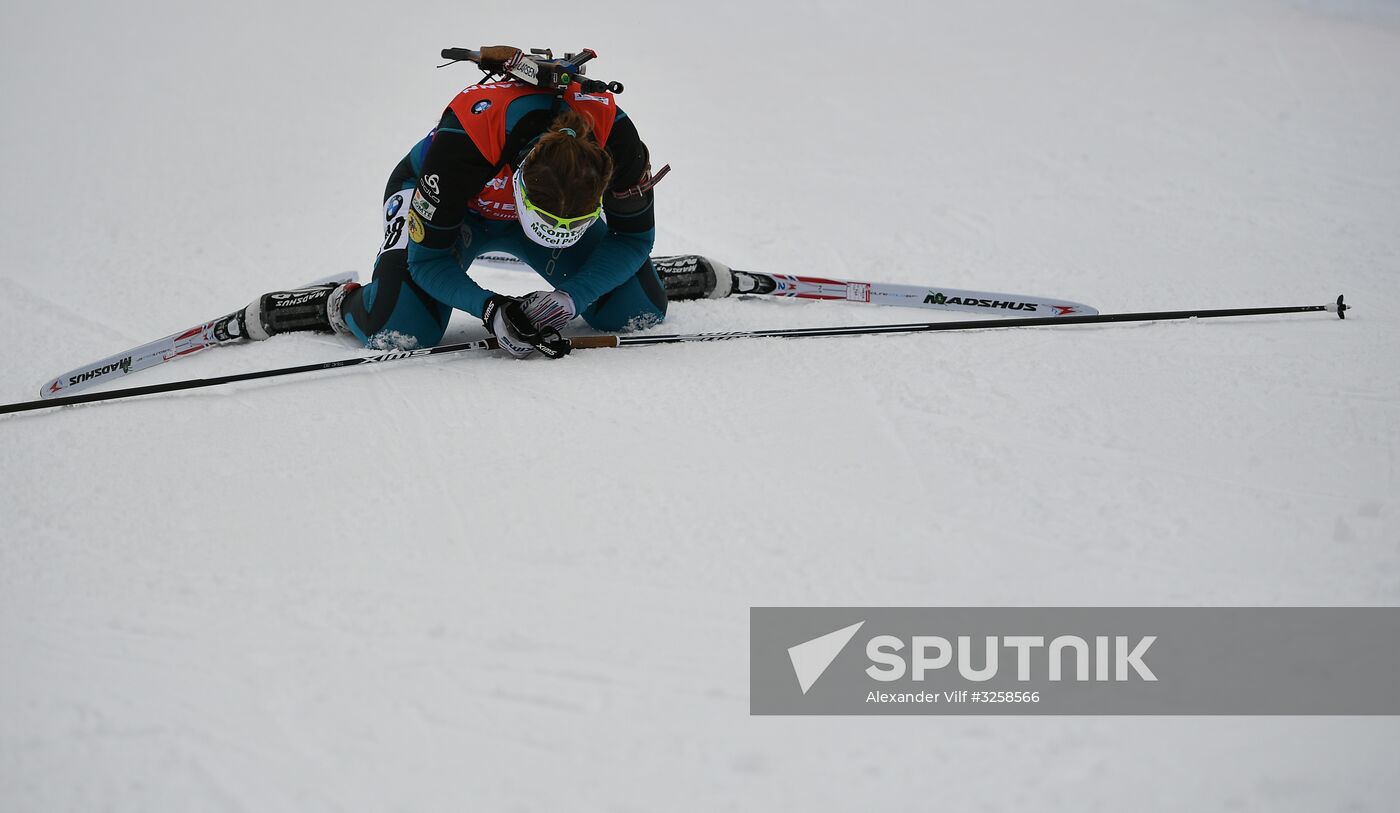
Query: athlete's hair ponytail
<point>567,172</point>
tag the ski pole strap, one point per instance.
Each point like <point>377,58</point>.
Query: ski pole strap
<point>644,185</point>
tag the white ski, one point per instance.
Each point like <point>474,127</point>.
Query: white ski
<point>752,283</point>
<point>914,296</point>
<point>176,345</point>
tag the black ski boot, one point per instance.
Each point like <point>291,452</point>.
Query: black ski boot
<point>315,308</point>
<point>690,276</point>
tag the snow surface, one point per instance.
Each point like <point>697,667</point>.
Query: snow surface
<point>475,583</point>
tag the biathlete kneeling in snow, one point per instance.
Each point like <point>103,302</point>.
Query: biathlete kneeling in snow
<point>510,168</point>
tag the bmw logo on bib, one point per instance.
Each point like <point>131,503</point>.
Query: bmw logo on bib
<point>393,206</point>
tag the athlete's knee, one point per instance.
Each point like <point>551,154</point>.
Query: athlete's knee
<point>398,325</point>
<point>399,337</point>
<point>638,303</point>
<point>614,319</point>
<point>403,330</point>
<point>391,339</point>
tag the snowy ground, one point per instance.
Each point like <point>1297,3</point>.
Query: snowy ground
<point>481,584</point>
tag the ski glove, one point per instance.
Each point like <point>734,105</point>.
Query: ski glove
<point>550,309</point>
<point>523,325</point>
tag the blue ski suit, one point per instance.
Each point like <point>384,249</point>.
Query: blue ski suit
<point>449,201</point>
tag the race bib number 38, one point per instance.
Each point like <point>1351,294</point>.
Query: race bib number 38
<point>396,212</point>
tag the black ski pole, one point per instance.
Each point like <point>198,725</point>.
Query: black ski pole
<point>198,383</point>
<point>612,340</point>
<point>1337,307</point>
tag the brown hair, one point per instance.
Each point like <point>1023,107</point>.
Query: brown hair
<point>567,174</point>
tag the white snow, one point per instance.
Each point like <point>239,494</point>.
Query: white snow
<point>476,583</point>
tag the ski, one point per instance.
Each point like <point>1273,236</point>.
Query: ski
<point>151,354</point>
<point>644,339</point>
<point>912,296</point>
<point>752,283</point>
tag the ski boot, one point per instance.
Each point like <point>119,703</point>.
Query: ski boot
<point>317,308</point>
<point>690,276</point>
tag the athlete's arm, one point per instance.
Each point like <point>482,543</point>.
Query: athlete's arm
<point>454,171</point>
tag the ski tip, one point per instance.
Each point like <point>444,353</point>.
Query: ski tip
<point>1071,309</point>
<point>51,389</point>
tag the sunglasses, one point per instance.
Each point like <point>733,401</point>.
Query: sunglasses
<point>550,219</point>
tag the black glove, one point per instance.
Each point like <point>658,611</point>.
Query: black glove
<point>506,318</point>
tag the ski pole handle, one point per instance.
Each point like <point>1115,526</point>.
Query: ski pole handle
<point>590,342</point>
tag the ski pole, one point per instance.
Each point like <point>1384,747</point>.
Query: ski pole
<point>1337,307</point>
<point>614,340</point>
<point>198,383</point>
